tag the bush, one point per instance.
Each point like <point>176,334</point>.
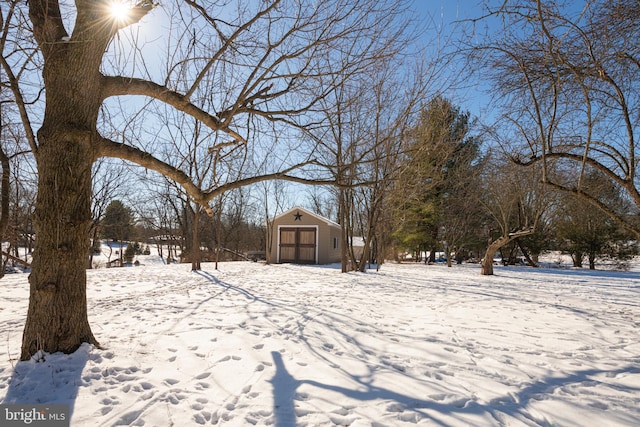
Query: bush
<point>129,253</point>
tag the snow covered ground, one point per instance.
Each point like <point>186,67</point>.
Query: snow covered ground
<point>286,345</point>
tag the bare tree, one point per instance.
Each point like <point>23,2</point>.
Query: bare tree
<point>274,202</point>
<point>160,216</point>
<point>584,231</point>
<point>386,123</point>
<point>5,185</point>
<point>12,104</point>
<point>322,201</point>
<point>360,142</point>
<point>568,80</point>
<point>264,59</point>
<point>22,201</point>
<point>17,190</point>
<point>108,184</point>
<point>515,199</point>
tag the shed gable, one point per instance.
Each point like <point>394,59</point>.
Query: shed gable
<point>303,237</point>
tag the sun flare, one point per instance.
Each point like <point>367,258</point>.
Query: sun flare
<point>119,10</point>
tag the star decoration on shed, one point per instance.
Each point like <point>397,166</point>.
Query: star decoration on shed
<point>298,216</point>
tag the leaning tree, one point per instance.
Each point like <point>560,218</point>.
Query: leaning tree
<point>261,56</point>
<point>515,201</point>
<point>567,76</point>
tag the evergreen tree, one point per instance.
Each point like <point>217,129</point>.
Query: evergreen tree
<point>129,253</point>
<point>117,225</point>
<point>117,222</point>
<point>440,164</point>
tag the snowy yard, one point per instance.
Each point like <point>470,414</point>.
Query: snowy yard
<point>289,345</point>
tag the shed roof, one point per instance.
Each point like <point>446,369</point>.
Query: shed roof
<point>308,212</point>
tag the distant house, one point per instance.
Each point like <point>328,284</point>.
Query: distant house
<point>303,237</point>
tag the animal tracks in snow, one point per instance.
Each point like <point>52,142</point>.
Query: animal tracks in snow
<point>294,345</point>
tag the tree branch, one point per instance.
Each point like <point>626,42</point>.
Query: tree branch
<point>118,86</point>
<point>579,159</point>
<point>15,87</point>
<point>267,177</point>
<point>108,148</point>
<point>598,204</point>
<point>227,41</point>
<point>48,28</point>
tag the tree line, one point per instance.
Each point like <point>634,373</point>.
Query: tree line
<point>447,196</point>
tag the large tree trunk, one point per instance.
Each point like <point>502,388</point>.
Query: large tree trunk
<point>487,262</point>
<point>576,257</point>
<point>57,315</point>
<point>342,214</point>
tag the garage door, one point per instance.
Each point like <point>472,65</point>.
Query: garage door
<point>298,245</point>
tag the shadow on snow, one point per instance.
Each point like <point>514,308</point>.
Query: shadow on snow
<point>52,379</point>
<point>285,385</point>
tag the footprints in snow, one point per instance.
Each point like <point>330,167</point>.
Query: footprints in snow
<point>248,406</point>
<point>143,394</point>
<point>304,407</point>
<point>437,372</point>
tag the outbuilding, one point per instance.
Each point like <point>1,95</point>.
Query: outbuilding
<point>303,237</point>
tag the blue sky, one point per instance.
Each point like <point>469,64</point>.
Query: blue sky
<point>449,18</point>
<point>430,16</point>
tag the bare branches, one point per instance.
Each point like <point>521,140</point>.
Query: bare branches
<point>262,65</point>
<point>14,83</point>
<point>227,42</point>
<point>110,148</point>
<point>569,84</point>
<point>283,175</point>
<point>622,220</point>
<point>265,64</point>
<point>115,86</point>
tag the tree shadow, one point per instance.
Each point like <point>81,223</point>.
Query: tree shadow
<point>227,286</point>
<point>53,379</point>
<point>286,388</point>
<point>285,391</point>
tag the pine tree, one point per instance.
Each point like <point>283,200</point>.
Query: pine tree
<point>117,222</point>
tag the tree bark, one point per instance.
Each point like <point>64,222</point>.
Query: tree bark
<point>195,241</point>
<point>530,260</point>
<point>342,214</point>
<point>487,262</point>
<point>5,184</point>
<point>57,315</point>
<point>576,257</point>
